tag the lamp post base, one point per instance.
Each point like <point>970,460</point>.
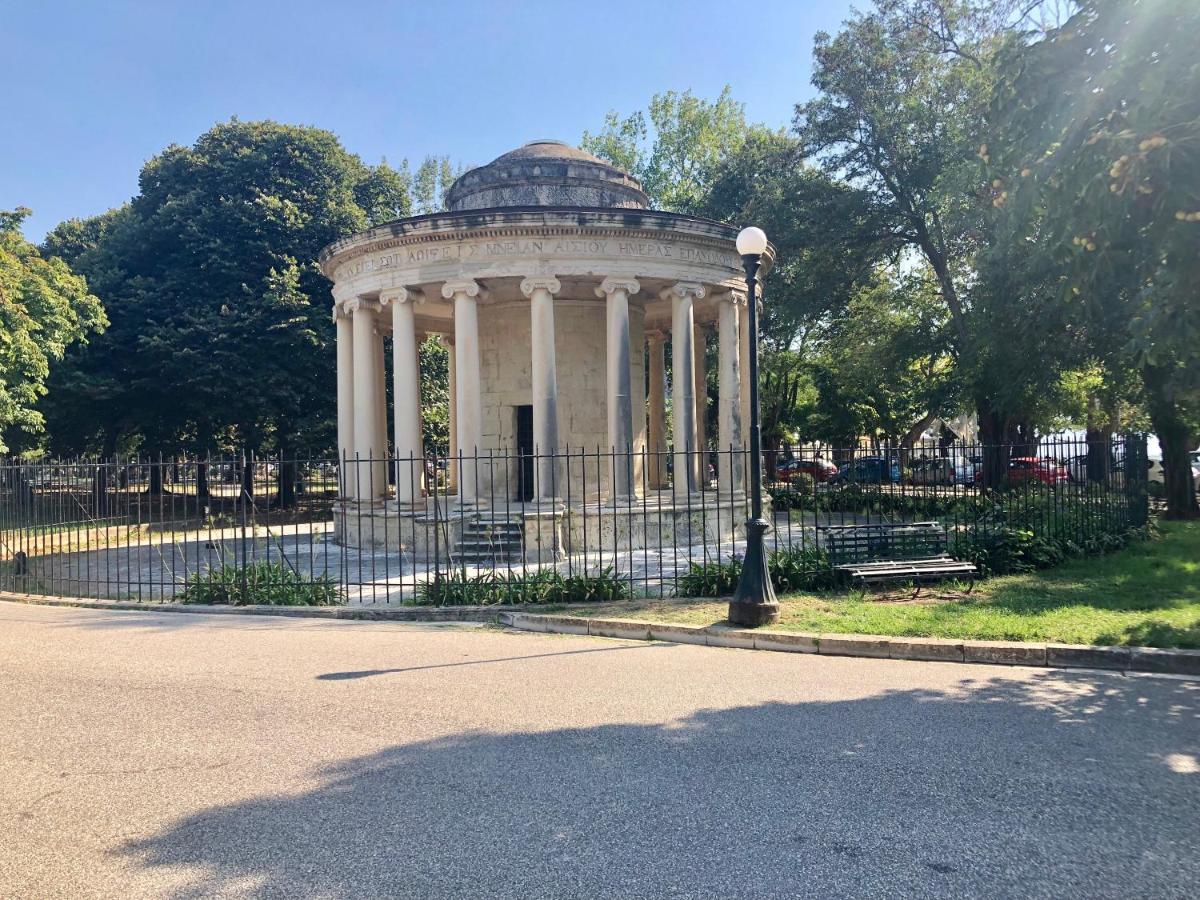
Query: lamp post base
<point>754,602</point>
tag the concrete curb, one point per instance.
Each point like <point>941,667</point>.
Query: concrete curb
<point>359,613</point>
<point>1058,656</point>
<point>1011,653</point>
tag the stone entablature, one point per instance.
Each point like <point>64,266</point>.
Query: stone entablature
<point>505,243</point>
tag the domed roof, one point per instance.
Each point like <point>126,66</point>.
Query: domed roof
<point>548,149</point>
<point>546,173</point>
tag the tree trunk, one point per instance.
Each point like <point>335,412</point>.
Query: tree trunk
<point>994,449</point>
<point>202,493</point>
<point>246,494</point>
<point>910,438</point>
<point>287,482</point>
<point>1176,440</point>
<point>1099,452</point>
<point>103,501</point>
<point>155,486</point>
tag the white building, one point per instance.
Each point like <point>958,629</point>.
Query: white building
<point>557,292</point>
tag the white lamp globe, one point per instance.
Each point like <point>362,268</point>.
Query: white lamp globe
<point>752,241</point>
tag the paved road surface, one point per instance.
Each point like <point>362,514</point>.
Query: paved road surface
<point>196,756</point>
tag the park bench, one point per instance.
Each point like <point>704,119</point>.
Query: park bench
<point>913,551</point>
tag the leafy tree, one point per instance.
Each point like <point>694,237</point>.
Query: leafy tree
<point>904,100</point>
<point>887,363</point>
<point>44,308</point>
<point>677,155</point>
<point>828,239</point>
<point>221,332</point>
<point>1095,151</point>
<point>430,183</point>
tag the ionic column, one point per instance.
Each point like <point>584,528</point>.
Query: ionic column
<point>683,385</point>
<point>367,480</point>
<point>452,462</point>
<point>657,475</point>
<point>469,400</point>
<point>381,416</point>
<point>540,290</point>
<point>620,392</point>
<point>345,398</point>
<point>406,394</point>
<point>700,346</point>
<point>729,400</point>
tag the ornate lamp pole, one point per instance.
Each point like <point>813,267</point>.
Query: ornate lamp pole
<point>754,600</point>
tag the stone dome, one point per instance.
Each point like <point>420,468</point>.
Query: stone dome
<point>546,173</point>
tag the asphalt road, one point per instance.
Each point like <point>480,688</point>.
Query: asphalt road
<point>197,756</point>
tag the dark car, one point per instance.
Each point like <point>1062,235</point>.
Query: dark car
<point>868,470</point>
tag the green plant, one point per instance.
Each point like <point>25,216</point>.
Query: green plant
<point>791,569</point>
<point>261,583</point>
<point>787,500</point>
<point>710,579</point>
<point>800,569</point>
<point>459,588</point>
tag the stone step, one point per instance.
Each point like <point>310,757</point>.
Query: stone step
<point>488,545</point>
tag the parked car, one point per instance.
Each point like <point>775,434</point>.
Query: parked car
<point>1157,478</point>
<point>1024,469</point>
<point>938,470</point>
<point>868,470</point>
<point>966,469</point>
<point>817,469</point>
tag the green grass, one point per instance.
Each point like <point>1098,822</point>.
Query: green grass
<point>1147,595</point>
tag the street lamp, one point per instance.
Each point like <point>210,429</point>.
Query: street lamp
<point>754,600</point>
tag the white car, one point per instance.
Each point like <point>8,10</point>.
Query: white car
<point>1156,475</point>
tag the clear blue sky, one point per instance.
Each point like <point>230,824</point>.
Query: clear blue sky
<point>93,89</point>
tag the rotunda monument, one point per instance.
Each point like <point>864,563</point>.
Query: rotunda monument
<point>557,291</point>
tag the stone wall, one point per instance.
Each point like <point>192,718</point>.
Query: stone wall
<point>580,352</point>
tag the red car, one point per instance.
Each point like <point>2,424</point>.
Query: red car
<point>1022,469</point>
<point>817,469</point>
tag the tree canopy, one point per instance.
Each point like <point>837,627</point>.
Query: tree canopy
<point>44,308</point>
<point>220,315</point>
<point>1094,154</point>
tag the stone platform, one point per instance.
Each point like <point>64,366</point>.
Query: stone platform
<point>550,531</point>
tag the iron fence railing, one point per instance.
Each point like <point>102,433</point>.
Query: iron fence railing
<point>449,529</point>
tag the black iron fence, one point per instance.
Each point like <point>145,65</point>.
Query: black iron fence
<point>531,527</point>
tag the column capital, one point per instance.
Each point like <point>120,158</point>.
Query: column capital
<point>447,340</point>
<point>468,286</point>
<point>734,296</point>
<point>612,285</point>
<point>682,289</point>
<point>354,304</point>
<point>400,295</point>
<point>540,282</point>
<point>656,336</point>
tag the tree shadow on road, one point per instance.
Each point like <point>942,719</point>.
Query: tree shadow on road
<point>1054,784</point>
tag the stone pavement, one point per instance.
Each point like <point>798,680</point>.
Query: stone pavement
<point>157,755</point>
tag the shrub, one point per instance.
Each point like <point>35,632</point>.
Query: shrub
<point>1009,550</point>
<point>710,579</point>
<point>261,583</point>
<point>458,588</point>
<point>786,500</point>
<point>800,569</point>
<point>791,569</point>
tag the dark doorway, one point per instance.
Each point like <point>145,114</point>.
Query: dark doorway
<point>524,453</point>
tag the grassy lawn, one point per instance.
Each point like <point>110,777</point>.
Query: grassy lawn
<point>1147,594</point>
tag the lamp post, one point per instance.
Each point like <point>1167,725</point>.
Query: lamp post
<point>754,600</point>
